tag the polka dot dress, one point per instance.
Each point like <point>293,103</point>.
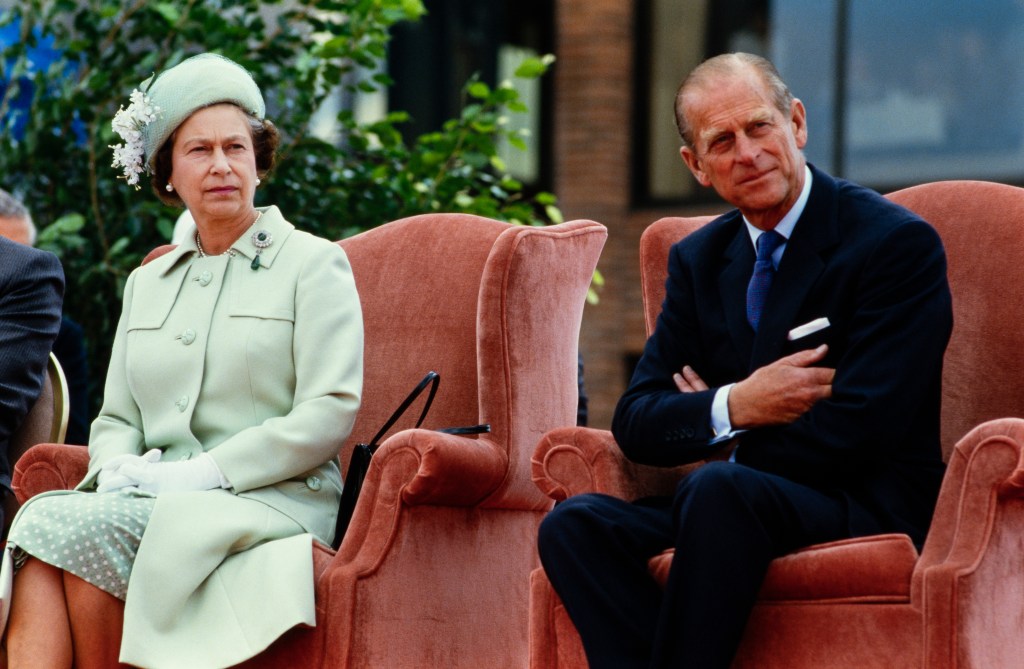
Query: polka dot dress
<point>95,536</point>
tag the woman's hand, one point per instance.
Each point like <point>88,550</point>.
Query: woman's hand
<point>201,473</point>
<point>110,477</point>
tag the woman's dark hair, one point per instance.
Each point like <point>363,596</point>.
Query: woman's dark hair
<point>265,140</point>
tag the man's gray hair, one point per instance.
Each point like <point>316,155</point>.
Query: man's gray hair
<point>731,63</point>
<point>12,207</point>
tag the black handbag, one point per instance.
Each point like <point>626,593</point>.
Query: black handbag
<point>359,463</point>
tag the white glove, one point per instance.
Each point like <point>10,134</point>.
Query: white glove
<point>201,473</point>
<point>110,477</point>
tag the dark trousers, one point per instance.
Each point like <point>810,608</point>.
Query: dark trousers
<point>726,522</point>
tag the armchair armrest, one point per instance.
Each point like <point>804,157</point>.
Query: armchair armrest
<point>451,470</point>
<point>448,469</point>
<point>984,479</point>
<point>573,460</point>
<point>47,467</point>
<point>970,566</point>
<point>414,468</point>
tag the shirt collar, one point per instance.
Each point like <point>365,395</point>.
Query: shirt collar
<point>788,222</point>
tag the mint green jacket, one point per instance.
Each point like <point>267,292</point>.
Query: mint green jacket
<point>263,369</point>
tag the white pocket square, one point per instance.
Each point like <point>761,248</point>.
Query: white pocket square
<point>808,328</point>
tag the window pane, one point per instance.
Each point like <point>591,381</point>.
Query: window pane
<point>676,46</point>
<point>935,90</point>
<point>931,89</point>
<point>802,45</point>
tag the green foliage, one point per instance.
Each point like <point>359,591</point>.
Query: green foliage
<point>299,54</point>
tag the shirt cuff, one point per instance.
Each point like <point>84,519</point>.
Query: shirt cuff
<point>721,427</point>
<point>720,423</point>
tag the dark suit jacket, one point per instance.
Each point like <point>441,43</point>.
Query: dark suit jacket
<point>31,293</point>
<point>878,273</point>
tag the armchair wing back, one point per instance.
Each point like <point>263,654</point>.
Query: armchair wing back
<point>655,243</point>
<point>495,309</point>
<point>874,601</point>
<point>47,421</point>
<point>982,228</point>
<point>434,568</point>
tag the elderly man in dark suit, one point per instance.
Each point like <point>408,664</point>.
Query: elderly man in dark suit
<point>16,224</point>
<point>799,350</point>
<point>31,294</point>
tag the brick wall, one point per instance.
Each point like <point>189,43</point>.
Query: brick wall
<point>593,136</point>
<point>593,112</point>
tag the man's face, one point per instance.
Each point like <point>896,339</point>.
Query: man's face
<point>14,229</point>
<point>744,147</point>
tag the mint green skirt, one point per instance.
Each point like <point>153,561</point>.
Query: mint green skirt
<point>94,536</point>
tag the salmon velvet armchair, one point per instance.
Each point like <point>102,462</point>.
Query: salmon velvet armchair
<point>434,568</point>
<point>873,601</point>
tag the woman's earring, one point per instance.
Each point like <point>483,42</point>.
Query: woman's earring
<point>169,187</point>
<point>258,182</point>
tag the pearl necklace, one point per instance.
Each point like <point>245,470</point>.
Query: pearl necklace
<point>203,254</point>
<point>230,252</point>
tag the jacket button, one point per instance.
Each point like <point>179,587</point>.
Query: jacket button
<point>187,337</point>
<point>313,483</point>
<point>182,403</point>
<point>205,278</point>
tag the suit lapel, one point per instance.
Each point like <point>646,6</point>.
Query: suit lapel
<point>802,263</point>
<point>732,287</point>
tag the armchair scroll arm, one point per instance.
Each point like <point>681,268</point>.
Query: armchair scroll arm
<point>970,566</point>
<point>980,498</point>
<point>573,460</point>
<point>416,467</point>
<point>46,467</point>
<point>422,467</point>
<point>451,470</point>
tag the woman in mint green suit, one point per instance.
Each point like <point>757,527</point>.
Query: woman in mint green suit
<point>235,377</point>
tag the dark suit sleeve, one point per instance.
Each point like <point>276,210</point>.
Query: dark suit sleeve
<point>654,423</point>
<point>31,293</point>
<point>888,371</point>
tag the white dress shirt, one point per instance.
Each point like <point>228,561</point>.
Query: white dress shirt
<point>720,423</point>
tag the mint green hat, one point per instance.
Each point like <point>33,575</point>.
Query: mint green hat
<point>194,83</point>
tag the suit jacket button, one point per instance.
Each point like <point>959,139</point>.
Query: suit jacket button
<point>313,483</point>
<point>205,278</point>
<point>182,403</point>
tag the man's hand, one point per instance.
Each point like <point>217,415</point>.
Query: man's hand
<point>688,381</point>
<point>779,393</point>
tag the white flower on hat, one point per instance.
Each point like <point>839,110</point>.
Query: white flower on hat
<point>128,123</point>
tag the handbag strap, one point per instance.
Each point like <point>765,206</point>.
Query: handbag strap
<point>431,379</point>
<point>468,429</point>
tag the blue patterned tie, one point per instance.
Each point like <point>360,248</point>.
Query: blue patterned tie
<point>761,280</point>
